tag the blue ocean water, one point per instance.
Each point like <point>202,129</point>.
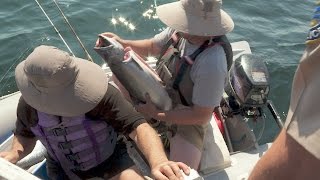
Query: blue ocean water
<point>276,31</point>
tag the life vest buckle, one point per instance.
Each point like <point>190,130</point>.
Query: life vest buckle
<point>73,157</point>
<point>78,167</point>
<point>59,131</point>
<point>65,145</point>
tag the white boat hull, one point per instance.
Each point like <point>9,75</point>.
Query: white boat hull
<point>8,107</point>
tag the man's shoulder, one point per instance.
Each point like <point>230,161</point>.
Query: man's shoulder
<point>213,58</point>
<point>161,38</point>
<point>26,114</point>
<point>24,106</point>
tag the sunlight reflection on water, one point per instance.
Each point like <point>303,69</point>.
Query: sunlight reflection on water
<point>148,14</point>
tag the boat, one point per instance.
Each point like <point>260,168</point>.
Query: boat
<point>232,136</point>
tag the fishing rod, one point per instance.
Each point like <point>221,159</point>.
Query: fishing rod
<point>73,31</point>
<point>70,26</point>
<point>57,31</point>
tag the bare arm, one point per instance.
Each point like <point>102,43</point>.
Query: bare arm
<point>185,115</point>
<point>286,159</point>
<point>150,145</point>
<point>21,146</point>
<point>144,47</point>
<point>147,139</point>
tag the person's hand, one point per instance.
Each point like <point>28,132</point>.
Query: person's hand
<point>148,109</point>
<point>10,156</point>
<point>110,35</point>
<point>170,170</point>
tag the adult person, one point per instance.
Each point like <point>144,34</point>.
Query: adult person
<point>68,105</point>
<point>295,154</point>
<point>193,64</point>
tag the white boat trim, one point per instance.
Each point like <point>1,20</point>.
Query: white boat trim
<point>10,171</point>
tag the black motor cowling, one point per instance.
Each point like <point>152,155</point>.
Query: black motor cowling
<point>248,81</point>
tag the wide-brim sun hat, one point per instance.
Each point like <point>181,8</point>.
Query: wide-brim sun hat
<point>53,82</point>
<point>196,17</point>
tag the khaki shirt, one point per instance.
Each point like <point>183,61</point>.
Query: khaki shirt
<point>303,120</point>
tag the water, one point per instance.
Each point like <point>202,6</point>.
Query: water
<point>276,30</point>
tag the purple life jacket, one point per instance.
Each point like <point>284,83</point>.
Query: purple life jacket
<point>77,143</point>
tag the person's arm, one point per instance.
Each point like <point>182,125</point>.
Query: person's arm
<point>24,140</point>
<point>286,159</point>
<point>121,115</point>
<point>151,146</point>
<point>185,115</point>
<point>145,47</point>
<point>21,146</point>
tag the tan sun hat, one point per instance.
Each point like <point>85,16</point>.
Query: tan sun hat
<point>53,82</point>
<point>196,17</point>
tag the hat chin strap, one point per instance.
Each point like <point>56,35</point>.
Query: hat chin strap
<point>197,41</point>
<point>211,40</point>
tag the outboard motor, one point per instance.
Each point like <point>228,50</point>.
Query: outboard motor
<point>248,85</point>
<point>247,92</point>
<point>248,81</point>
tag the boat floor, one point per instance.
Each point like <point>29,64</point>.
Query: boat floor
<point>241,165</point>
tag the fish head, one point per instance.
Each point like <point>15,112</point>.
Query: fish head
<point>109,49</point>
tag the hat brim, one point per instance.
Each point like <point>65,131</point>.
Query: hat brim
<point>174,16</point>
<point>77,98</point>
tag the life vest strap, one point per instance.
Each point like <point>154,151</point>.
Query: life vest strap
<point>186,61</point>
<point>174,40</point>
